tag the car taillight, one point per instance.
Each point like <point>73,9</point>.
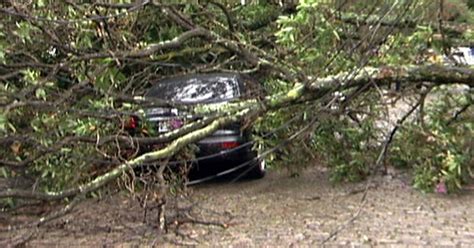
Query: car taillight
<point>229,144</point>
<point>131,123</point>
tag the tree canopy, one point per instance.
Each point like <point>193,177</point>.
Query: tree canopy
<point>326,75</point>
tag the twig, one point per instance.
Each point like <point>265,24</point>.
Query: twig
<point>458,113</point>
<point>65,210</point>
<point>378,162</point>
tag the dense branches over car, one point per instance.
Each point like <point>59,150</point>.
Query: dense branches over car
<point>72,75</point>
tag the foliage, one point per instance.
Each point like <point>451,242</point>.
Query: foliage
<point>69,82</point>
<point>440,150</point>
<point>345,148</point>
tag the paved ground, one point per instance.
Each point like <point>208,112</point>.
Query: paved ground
<point>279,211</point>
<point>305,211</point>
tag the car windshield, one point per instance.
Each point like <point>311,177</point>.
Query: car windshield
<point>197,89</point>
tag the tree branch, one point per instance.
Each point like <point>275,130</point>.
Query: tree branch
<point>357,19</point>
<point>100,181</point>
<point>153,48</point>
<point>436,74</point>
<point>385,75</point>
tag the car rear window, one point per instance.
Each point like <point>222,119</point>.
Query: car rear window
<point>197,89</point>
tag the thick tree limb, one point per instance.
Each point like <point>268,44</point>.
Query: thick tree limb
<point>122,139</point>
<point>436,74</point>
<point>100,181</point>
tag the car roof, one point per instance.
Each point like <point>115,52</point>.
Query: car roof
<point>198,76</point>
<point>188,79</point>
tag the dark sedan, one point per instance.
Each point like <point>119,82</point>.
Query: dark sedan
<point>225,149</point>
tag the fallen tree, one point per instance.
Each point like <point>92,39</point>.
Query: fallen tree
<point>65,94</point>
<point>435,74</point>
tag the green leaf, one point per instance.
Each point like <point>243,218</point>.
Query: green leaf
<point>40,3</point>
<point>3,122</point>
<point>40,93</point>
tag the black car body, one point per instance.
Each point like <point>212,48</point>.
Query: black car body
<point>228,147</point>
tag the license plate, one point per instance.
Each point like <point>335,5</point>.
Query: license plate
<point>163,127</point>
<point>168,125</point>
